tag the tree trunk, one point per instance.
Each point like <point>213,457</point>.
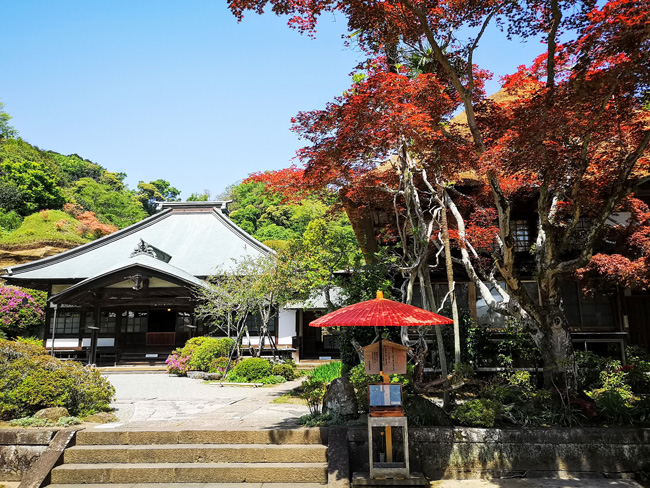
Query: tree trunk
<point>556,348</point>
<point>450,281</point>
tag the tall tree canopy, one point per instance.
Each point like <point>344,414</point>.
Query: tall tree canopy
<point>568,141</point>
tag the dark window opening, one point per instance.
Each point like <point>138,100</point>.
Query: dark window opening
<point>254,323</point>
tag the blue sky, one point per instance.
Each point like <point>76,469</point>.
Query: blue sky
<point>175,90</point>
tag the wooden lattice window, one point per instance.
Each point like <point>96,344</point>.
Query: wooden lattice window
<point>522,235</point>
<point>67,322</point>
<point>133,322</point>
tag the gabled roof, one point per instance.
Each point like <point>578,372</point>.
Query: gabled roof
<point>197,235</point>
<point>142,264</point>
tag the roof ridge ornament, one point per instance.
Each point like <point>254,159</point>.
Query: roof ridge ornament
<point>149,250</point>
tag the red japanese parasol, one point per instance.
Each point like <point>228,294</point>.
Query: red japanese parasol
<point>380,312</point>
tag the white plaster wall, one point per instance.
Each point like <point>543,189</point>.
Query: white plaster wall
<point>286,327</point>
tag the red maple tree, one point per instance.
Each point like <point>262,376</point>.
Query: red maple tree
<point>567,143</point>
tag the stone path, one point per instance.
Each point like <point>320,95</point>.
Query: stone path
<point>536,483</point>
<point>146,399</point>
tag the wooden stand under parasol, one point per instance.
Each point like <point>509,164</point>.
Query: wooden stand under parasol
<point>381,312</point>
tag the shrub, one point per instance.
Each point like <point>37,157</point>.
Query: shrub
<point>641,411</point>
<point>30,422</point>
<point>91,228</point>
<point>193,344</point>
<point>498,390</point>
<point>219,365</point>
<point>360,380</point>
<point>31,380</point>
<point>313,391</point>
<point>20,310</point>
<point>464,370</point>
<point>614,404</point>
<point>521,382</point>
<point>638,369</point>
<point>320,420</point>
<point>66,421</point>
<point>589,368</point>
<point>272,380</point>
<point>477,413</point>
<point>9,220</point>
<point>34,341</point>
<point>287,371</point>
<point>177,363</point>
<point>327,372</point>
<point>210,349</point>
<point>252,369</point>
<point>199,353</point>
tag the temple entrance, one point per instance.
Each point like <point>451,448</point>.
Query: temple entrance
<point>162,327</point>
<point>162,320</point>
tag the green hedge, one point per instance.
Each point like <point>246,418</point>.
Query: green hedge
<point>30,380</point>
<point>252,369</point>
<point>210,348</point>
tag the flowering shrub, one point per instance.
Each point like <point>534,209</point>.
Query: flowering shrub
<point>20,311</point>
<point>177,363</point>
<point>219,365</point>
<point>90,227</point>
<point>200,353</point>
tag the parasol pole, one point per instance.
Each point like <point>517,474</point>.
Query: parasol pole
<point>389,430</point>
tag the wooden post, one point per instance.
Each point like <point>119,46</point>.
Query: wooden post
<point>386,378</point>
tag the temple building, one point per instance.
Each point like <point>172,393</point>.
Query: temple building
<point>136,287</point>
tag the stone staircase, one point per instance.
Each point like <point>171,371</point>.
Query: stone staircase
<point>193,458</point>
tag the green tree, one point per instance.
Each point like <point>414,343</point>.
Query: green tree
<point>38,190</point>
<point>6,131</point>
<point>325,248</point>
<point>200,197</point>
<point>253,286</point>
<point>156,191</point>
<point>119,207</point>
<point>74,167</point>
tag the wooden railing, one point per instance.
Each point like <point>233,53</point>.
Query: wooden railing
<point>161,338</point>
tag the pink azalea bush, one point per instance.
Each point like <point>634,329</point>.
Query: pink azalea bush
<point>20,310</point>
<point>178,363</point>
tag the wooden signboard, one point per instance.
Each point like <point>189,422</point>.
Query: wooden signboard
<point>393,355</point>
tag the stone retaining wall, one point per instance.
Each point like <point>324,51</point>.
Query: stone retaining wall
<point>458,453</point>
<point>19,450</point>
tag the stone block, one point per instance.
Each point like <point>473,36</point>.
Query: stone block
<point>52,413</point>
<point>340,399</point>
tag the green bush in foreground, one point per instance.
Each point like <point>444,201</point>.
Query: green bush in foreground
<point>286,370</point>
<point>31,380</point>
<point>210,348</point>
<point>251,369</point>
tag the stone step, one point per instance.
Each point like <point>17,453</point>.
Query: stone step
<point>190,473</point>
<point>197,453</point>
<point>141,437</point>
<point>193,485</point>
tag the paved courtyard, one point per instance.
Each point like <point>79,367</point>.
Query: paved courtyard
<point>146,400</point>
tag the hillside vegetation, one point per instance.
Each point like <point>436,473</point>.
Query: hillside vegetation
<point>49,197</point>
